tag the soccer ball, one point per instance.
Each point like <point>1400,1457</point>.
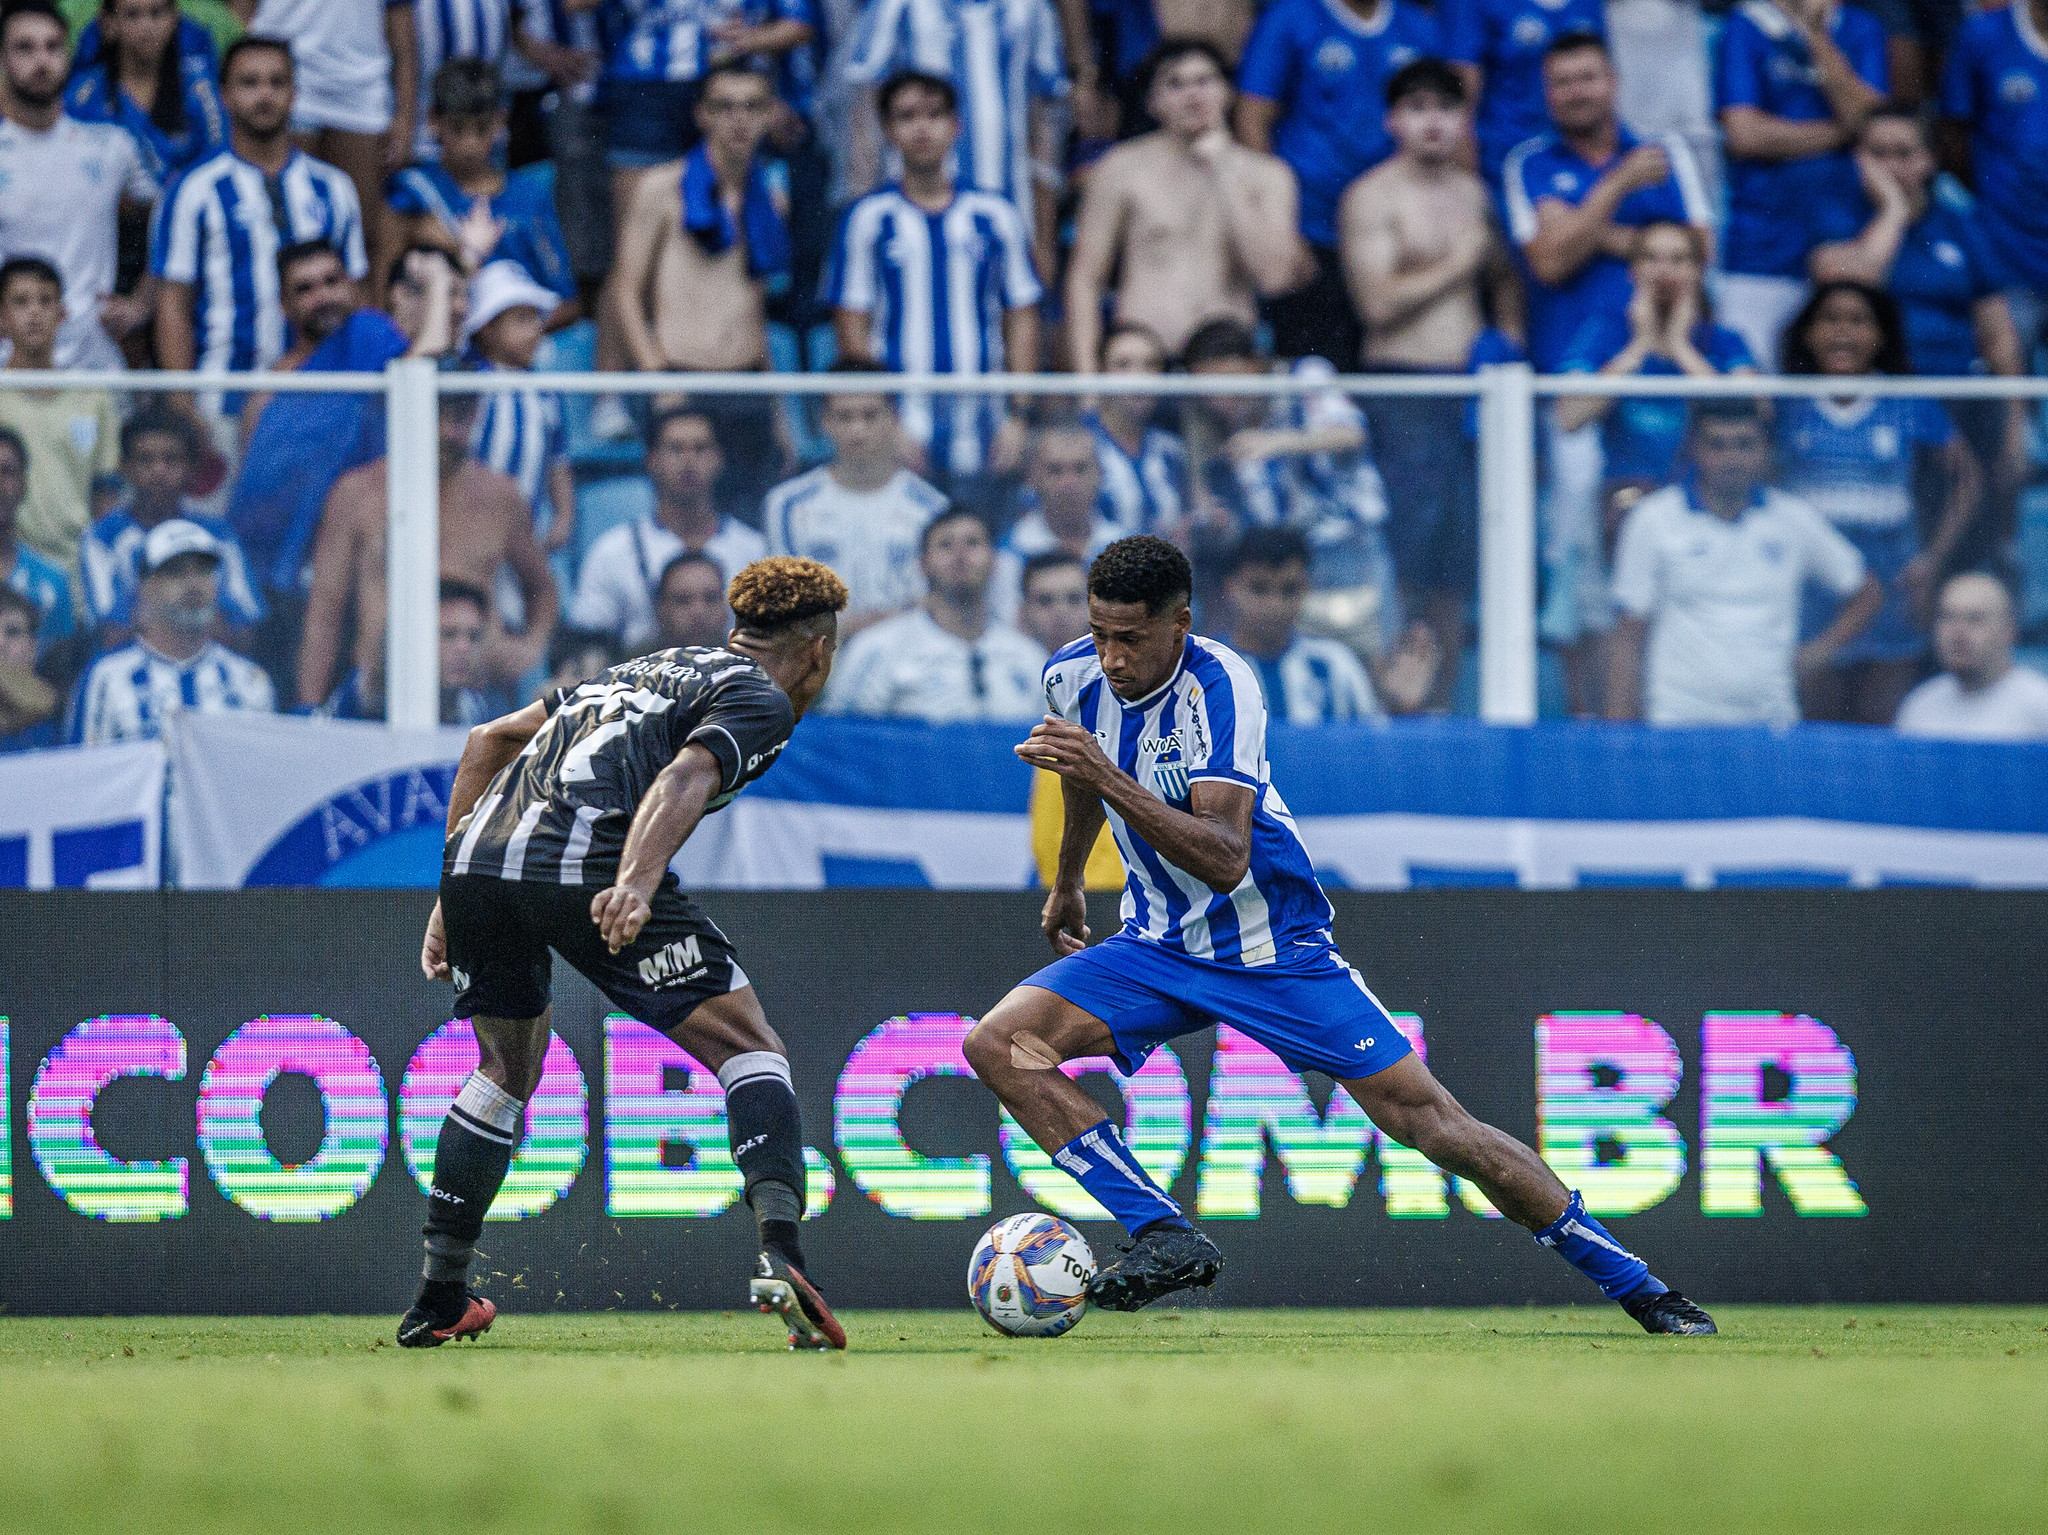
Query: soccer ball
<point>1029,1276</point>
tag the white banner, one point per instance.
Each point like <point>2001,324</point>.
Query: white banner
<point>268,801</point>
<point>83,817</point>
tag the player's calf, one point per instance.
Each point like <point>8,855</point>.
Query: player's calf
<point>470,1161</point>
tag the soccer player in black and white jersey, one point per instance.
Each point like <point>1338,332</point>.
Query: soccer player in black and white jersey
<point>561,825</point>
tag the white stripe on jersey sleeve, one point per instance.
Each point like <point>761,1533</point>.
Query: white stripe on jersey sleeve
<point>1246,762</point>
<point>1521,209</point>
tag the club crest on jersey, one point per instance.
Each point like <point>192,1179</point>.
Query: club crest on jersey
<point>672,963</point>
<point>1169,771</point>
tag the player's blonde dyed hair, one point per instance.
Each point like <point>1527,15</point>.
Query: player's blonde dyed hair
<point>780,592</point>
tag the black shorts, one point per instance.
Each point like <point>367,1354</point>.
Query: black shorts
<point>500,931</point>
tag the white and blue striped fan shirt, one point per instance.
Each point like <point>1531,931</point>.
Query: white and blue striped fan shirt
<point>1206,721</point>
<point>1141,493</point>
<point>130,693</point>
<point>554,21</point>
<point>520,433</point>
<point>936,287</point>
<point>221,229</point>
<point>1000,55</point>
<point>455,29</point>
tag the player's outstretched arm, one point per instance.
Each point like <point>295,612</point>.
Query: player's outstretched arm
<point>1211,839</point>
<point>668,813</point>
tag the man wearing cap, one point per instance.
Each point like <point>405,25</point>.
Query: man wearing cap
<point>519,432</point>
<point>174,663</point>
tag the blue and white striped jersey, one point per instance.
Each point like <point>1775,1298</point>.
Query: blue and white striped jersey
<point>520,433</point>
<point>1001,55</point>
<point>1142,493</point>
<point>132,692</point>
<point>111,557</point>
<point>678,39</point>
<point>1207,721</point>
<point>936,287</point>
<point>220,230</point>
<point>1315,681</point>
<point>455,29</point>
<point>869,538</point>
<point>552,21</point>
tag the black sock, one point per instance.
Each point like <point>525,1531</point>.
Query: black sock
<point>767,1133</point>
<point>470,1159</point>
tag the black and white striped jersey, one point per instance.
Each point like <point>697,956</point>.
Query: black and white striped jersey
<point>560,812</point>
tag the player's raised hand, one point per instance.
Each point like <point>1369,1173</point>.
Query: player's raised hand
<point>1065,920</point>
<point>1067,750</point>
<point>620,912</point>
<point>434,948</point>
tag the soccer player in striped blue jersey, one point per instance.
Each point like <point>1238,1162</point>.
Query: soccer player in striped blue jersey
<point>1163,734</point>
<point>929,276</point>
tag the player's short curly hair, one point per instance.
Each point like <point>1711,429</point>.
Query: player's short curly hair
<point>774,595</point>
<point>1143,569</point>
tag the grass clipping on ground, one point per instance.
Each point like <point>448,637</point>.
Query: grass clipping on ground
<point>1795,1419</point>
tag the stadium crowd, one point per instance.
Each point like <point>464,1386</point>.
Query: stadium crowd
<point>1112,187</point>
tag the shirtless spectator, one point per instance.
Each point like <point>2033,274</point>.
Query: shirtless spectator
<point>1423,262</point>
<point>485,524</point>
<point>703,241</point>
<point>703,236</point>
<point>1196,226</point>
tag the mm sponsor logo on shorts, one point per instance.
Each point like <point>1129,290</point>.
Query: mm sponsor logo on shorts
<point>671,963</point>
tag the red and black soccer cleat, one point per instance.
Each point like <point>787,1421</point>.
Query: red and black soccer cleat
<point>780,1289</point>
<point>422,1327</point>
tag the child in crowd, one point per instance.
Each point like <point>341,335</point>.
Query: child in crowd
<point>464,204</point>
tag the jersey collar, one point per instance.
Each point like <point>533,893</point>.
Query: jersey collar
<point>2030,35</point>
<point>1691,483</point>
<point>1382,18</point>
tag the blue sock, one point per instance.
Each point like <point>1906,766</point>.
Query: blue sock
<point>1590,1248</point>
<point>1104,1166</point>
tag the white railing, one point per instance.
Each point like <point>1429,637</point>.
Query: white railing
<point>1508,491</point>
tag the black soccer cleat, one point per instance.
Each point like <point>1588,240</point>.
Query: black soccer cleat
<point>1162,1260</point>
<point>1668,1312</point>
<point>425,1327</point>
<point>780,1289</point>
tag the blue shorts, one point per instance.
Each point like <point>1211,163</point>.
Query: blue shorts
<point>1315,1014</point>
<point>650,122</point>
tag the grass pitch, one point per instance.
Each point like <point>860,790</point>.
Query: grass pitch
<point>1795,1419</point>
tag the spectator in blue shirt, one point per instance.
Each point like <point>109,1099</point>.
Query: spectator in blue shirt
<point>1578,196</point>
<point>1498,46</point>
<point>1577,201</point>
<point>464,204</point>
<point>1855,459</point>
<point>164,96</point>
<point>28,704</point>
<point>1312,89</point>
<point>1667,330</point>
<point>1932,256</point>
<point>160,448</point>
<point>1794,85</point>
<point>1995,96</point>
